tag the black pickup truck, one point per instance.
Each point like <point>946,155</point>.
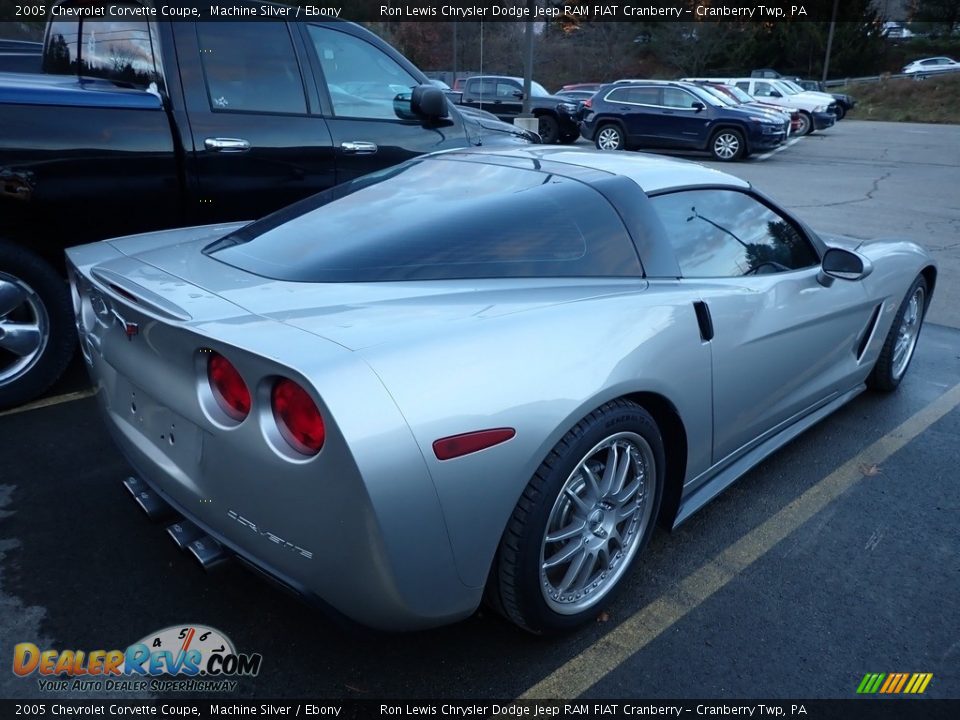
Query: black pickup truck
<point>137,125</point>
<point>502,95</point>
<point>20,56</point>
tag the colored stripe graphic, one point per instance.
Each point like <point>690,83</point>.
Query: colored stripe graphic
<point>894,683</point>
<point>903,681</point>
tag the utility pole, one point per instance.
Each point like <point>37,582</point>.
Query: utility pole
<point>528,58</point>
<point>453,82</point>
<point>833,22</point>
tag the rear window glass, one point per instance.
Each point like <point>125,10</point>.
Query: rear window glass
<point>438,219</point>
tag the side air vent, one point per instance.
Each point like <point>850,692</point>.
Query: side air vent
<point>868,332</point>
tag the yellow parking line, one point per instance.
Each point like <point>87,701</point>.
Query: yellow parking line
<point>47,402</point>
<point>578,674</point>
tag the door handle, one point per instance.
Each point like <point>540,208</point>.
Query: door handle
<point>359,147</point>
<point>704,320</point>
<point>226,145</point>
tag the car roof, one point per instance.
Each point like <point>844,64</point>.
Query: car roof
<point>494,77</point>
<point>652,173</point>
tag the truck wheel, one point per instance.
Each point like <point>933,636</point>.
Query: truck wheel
<point>727,145</point>
<point>37,334</point>
<point>806,123</point>
<point>569,138</point>
<point>582,520</point>
<point>549,129</point>
<point>841,112</point>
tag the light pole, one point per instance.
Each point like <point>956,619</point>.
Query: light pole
<point>528,58</point>
<point>833,22</point>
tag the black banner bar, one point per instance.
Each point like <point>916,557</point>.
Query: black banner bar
<point>611,709</point>
<point>452,10</point>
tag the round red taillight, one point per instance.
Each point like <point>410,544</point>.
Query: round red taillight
<point>228,387</point>
<point>297,417</point>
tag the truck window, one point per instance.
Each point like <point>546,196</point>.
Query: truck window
<point>124,52</point>
<point>251,67</point>
<point>60,52</point>
<point>121,51</point>
<point>362,80</point>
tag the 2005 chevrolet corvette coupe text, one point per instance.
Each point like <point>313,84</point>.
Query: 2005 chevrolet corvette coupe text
<point>481,374</point>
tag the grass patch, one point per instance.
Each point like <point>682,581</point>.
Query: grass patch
<point>934,100</point>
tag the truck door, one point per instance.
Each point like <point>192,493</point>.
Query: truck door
<point>366,96</point>
<point>258,143</point>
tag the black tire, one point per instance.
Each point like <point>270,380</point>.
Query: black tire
<point>32,293</point>
<point>728,145</point>
<point>891,366</point>
<point>806,123</point>
<point>516,588</point>
<point>610,137</point>
<point>549,129</point>
<point>841,112</point>
<point>569,138</point>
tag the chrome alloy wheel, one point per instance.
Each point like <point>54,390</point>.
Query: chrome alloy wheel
<point>608,139</point>
<point>597,521</point>
<point>24,328</point>
<point>907,333</point>
<point>726,146</point>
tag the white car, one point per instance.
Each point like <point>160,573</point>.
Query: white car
<point>815,112</point>
<point>931,66</point>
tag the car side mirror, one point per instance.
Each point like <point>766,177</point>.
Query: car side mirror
<point>775,93</point>
<point>843,265</point>
<point>429,102</point>
<point>697,105</point>
<point>518,94</point>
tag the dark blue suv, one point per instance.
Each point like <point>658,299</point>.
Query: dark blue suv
<point>677,116</point>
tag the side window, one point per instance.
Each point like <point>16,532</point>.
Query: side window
<point>677,98</point>
<point>744,85</point>
<point>507,90</point>
<point>121,51</point>
<point>363,80</point>
<point>485,88</point>
<point>60,54</point>
<point>618,95</point>
<point>645,95</point>
<point>762,89</point>
<point>725,233</point>
<point>251,67</point>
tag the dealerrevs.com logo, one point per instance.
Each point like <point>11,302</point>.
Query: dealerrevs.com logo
<point>198,658</point>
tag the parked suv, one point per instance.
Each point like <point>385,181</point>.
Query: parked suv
<point>676,115</point>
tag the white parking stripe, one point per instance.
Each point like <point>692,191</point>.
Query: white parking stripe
<point>780,148</point>
<point>55,400</point>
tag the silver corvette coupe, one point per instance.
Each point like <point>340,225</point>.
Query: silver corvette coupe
<point>480,374</point>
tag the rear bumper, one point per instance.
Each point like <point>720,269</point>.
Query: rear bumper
<point>346,566</point>
<point>357,527</point>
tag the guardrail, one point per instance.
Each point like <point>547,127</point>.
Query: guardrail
<point>886,76</point>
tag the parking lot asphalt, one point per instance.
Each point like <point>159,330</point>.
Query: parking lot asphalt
<point>838,556</point>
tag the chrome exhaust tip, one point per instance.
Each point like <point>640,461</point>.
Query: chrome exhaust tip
<point>151,503</point>
<point>184,532</point>
<point>207,551</point>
